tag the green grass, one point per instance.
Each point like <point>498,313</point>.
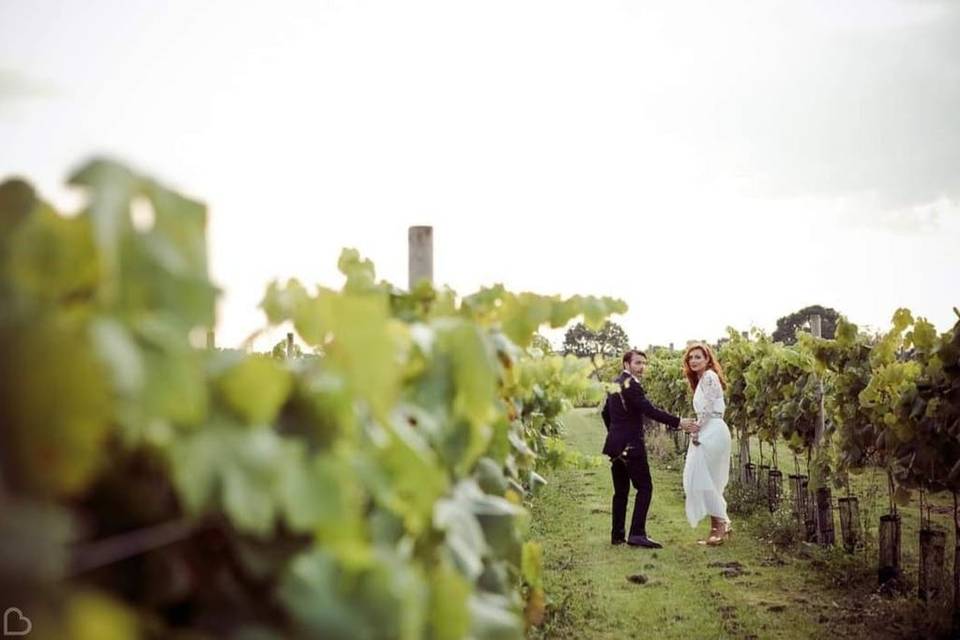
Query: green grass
<point>778,594</point>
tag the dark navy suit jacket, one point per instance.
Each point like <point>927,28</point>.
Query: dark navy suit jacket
<point>623,416</point>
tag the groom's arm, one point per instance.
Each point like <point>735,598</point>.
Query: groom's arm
<point>605,413</point>
<point>637,401</point>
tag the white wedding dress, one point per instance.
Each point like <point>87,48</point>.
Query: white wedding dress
<point>707,468</point>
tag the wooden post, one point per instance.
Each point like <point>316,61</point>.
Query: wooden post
<point>763,472</point>
<point>810,514</point>
<point>774,489</point>
<point>849,522</point>
<point>289,345</point>
<point>746,474</point>
<point>799,500</point>
<point>211,340</point>
<point>420,257</point>
<point>889,547</point>
<point>816,329</point>
<point>933,545</point>
<point>824,513</point>
<point>816,325</point>
<point>956,563</point>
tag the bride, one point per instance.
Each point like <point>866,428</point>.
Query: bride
<point>707,467</point>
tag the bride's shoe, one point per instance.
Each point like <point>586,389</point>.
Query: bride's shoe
<point>727,529</point>
<point>715,538</point>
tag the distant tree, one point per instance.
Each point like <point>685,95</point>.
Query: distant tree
<point>279,350</point>
<point>540,342</point>
<point>787,326</point>
<point>609,342</point>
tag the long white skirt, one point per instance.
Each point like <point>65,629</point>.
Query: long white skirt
<point>706,472</point>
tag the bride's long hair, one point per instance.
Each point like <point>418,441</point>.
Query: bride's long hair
<point>712,363</point>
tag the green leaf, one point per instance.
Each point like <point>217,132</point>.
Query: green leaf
<point>54,408</point>
<point>312,318</point>
<point>90,615</point>
<point>251,508</point>
<point>490,477</point>
<point>53,258</point>
<point>532,564</point>
<point>536,482</point>
<point>594,313</point>
<point>493,618</point>
<point>182,222</point>
<point>175,388</point>
<point>923,336</point>
<point>360,273</point>
<point>474,373</point>
<point>311,591</point>
<point>18,201</point>
<point>332,600</point>
<point>364,349</point>
<point>902,318</point>
<point>280,302</point>
<point>499,518</point>
<point>407,479</point>
<point>318,494</point>
<point>564,311</point>
<point>117,348</point>
<point>158,278</point>
<point>449,604</point>
<point>256,388</point>
<point>464,537</point>
<point>111,188</point>
<point>245,465</point>
<point>521,316</point>
<point>195,459</point>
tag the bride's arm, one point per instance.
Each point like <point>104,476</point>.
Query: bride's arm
<point>712,392</point>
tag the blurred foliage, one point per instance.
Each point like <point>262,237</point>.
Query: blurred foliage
<point>151,488</point>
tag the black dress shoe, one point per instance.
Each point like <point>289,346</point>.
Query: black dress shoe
<point>643,541</point>
<point>617,540</point>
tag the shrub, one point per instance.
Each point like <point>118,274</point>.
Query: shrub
<point>744,499</point>
<point>663,450</point>
<point>779,528</point>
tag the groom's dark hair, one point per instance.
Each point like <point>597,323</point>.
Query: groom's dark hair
<point>628,356</point>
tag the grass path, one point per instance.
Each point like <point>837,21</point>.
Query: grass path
<point>743,589</point>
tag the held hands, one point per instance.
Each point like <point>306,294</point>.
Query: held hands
<point>689,425</point>
<point>692,427</point>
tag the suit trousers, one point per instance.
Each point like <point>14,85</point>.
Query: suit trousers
<point>629,468</point>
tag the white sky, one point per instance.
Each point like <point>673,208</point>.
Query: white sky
<point>710,163</point>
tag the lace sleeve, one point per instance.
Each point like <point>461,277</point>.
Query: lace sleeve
<point>712,392</point>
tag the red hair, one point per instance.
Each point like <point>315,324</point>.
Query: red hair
<point>712,363</point>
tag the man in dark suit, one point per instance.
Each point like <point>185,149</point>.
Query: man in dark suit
<point>623,416</point>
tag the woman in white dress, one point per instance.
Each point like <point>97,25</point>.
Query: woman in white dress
<point>707,468</point>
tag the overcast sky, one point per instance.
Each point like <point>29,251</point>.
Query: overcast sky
<point>711,163</point>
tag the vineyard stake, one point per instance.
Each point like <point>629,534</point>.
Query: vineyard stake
<point>420,257</point>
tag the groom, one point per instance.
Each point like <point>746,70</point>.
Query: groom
<point>623,416</point>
